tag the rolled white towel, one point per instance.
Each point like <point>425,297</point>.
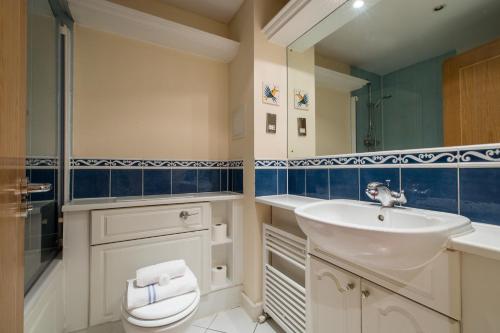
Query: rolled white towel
<point>141,296</point>
<point>151,274</point>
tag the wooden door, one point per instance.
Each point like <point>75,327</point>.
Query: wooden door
<point>12,157</point>
<point>386,312</point>
<point>334,299</point>
<point>471,96</point>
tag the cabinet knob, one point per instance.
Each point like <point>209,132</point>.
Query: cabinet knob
<point>185,214</point>
<point>365,294</point>
<point>350,286</point>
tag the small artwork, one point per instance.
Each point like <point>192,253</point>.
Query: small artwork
<point>301,100</point>
<point>270,93</point>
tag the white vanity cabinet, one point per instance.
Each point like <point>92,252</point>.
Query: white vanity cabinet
<point>386,312</point>
<point>334,299</point>
<point>342,302</point>
<point>106,241</point>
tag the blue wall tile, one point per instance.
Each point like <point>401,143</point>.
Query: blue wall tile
<point>93,183</point>
<point>266,182</point>
<point>431,188</point>
<point>377,175</point>
<point>126,183</point>
<point>209,180</point>
<point>43,176</point>
<point>238,180</point>
<point>230,173</point>
<point>344,184</point>
<point>297,181</point>
<point>282,181</point>
<point>480,194</point>
<point>317,185</point>
<point>184,181</point>
<point>157,181</point>
<point>223,180</point>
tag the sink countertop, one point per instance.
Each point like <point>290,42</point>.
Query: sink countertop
<point>288,202</point>
<point>123,202</point>
<point>484,241</point>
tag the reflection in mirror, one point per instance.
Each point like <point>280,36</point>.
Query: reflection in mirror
<point>397,74</point>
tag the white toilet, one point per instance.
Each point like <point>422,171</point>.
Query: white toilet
<point>172,315</point>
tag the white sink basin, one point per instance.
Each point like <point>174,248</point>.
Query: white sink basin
<point>384,238</point>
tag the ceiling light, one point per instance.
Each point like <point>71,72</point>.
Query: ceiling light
<point>358,4</point>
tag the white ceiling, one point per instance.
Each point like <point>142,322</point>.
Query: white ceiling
<point>396,33</point>
<point>218,10</point>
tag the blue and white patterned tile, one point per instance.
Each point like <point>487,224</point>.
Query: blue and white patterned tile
<point>157,164</point>
<point>320,162</point>
<point>235,164</point>
<point>379,160</point>
<point>429,159</point>
<point>81,163</point>
<point>42,162</point>
<point>481,157</point>
<point>126,164</point>
<point>344,161</point>
<point>261,164</point>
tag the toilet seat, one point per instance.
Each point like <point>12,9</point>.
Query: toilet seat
<point>167,312</point>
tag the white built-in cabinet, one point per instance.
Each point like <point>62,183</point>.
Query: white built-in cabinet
<point>105,246</point>
<point>342,302</point>
<point>334,299</point>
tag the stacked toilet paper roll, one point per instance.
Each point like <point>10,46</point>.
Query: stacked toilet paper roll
<point>219,274</point>
<point>219,232</point>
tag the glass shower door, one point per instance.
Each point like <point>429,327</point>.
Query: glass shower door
<point>42,140</point>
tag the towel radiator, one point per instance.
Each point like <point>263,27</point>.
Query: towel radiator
<point>284,298</point>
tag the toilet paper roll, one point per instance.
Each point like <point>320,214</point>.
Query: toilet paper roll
<point>219,232</point>
<point>219,274</point>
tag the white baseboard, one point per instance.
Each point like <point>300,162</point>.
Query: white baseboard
<point>219,300</point>
<point>254,310</point>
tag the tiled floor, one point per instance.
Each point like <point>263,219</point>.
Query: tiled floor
<point>232,321</point>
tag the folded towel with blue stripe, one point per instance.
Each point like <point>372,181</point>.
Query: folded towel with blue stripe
<point>140,296</point>
<point>160,273</point>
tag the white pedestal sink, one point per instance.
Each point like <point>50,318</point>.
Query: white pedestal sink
<point>377,237</point>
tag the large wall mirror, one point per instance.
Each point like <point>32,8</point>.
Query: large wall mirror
<point>396,74</point>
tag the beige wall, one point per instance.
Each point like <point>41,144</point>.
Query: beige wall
<point>161,9</point>
<point>257,60</point>
<point>301,76</point>
<point>139,100</point>
<point>333,122</point>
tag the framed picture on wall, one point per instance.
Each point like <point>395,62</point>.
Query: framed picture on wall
<point>301,99</point>
<point>270,93</point>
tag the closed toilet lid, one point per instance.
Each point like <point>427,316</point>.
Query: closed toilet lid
<point>164,312</point>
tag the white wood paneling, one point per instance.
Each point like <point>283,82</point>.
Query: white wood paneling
<point>333,298</point>
<point>109,17</point>
<point>113,264</point>
<point>387,312</point>
<point>115,225</point>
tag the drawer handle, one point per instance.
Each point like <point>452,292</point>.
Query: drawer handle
<point>185,214</point>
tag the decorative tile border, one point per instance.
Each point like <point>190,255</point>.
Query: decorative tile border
<point>480,157</point>
<point>139,164</point>
<point>262,164</point>
<point>42,162</point>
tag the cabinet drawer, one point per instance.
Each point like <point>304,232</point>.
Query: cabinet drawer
<point>114,225</point>
<point>387,312</point>
<point>111,265</point>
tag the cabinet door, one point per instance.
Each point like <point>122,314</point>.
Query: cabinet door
<point>334,299</point>
<point>387,312</point>
<point>111,265</point>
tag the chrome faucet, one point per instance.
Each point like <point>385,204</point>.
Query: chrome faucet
<point>381,193</point>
